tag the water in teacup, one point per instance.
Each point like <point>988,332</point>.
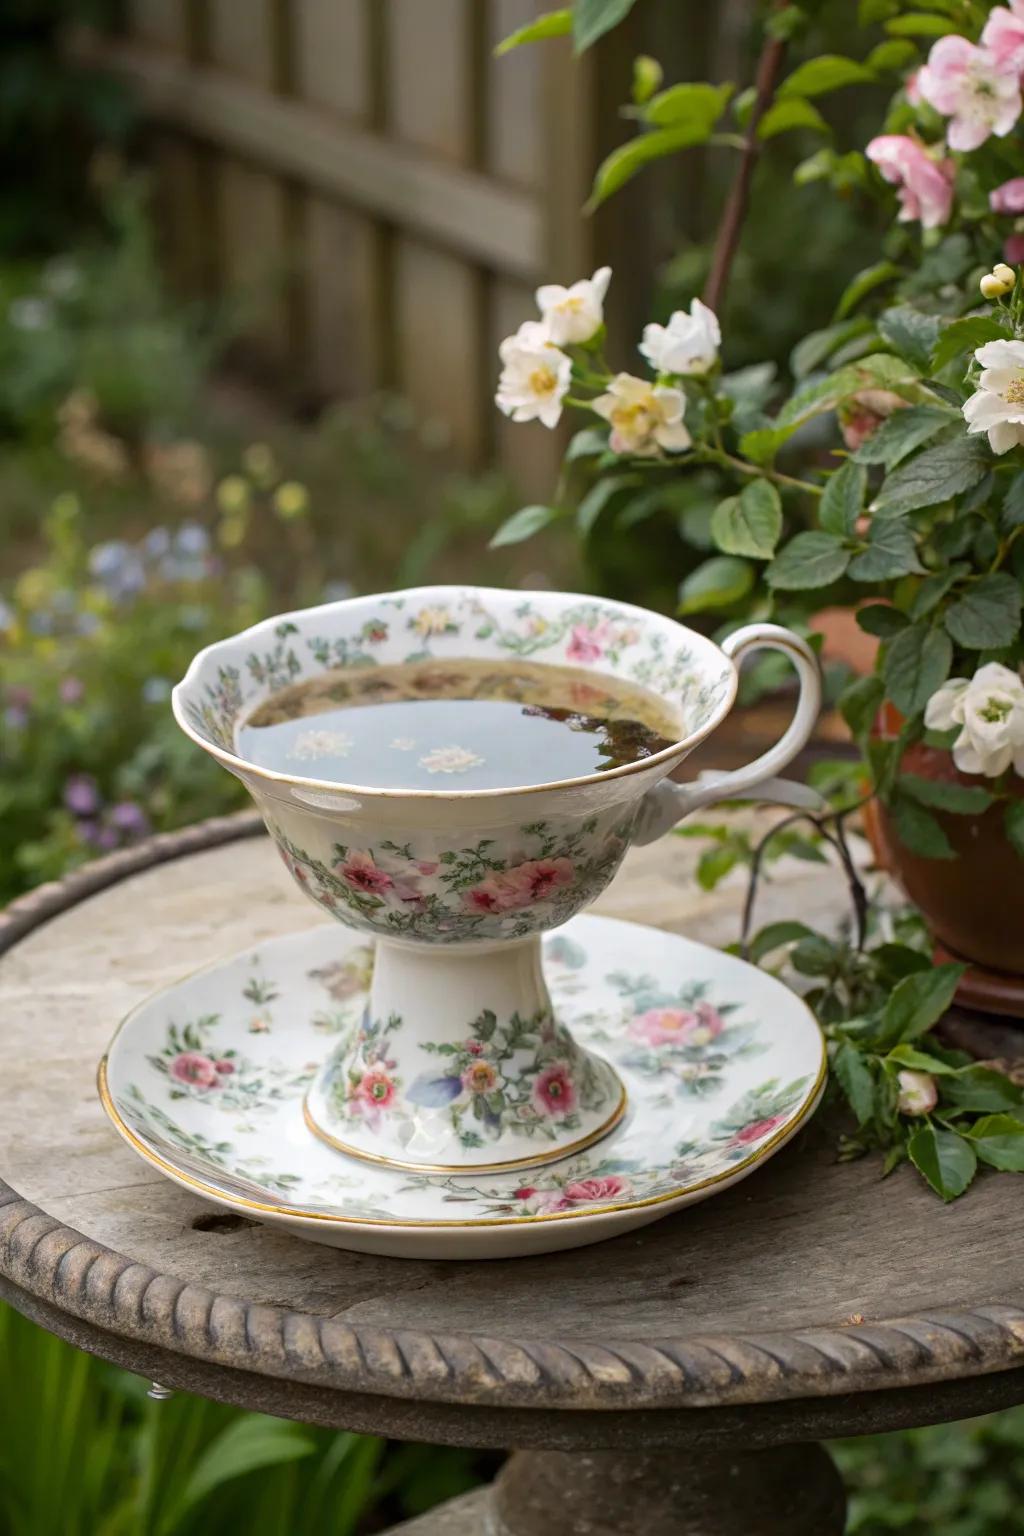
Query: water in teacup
<point>462,724</point>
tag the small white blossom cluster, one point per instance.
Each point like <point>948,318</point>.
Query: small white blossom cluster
<point>997,405</point>
<point>989,709</point>
<point>645,416</point>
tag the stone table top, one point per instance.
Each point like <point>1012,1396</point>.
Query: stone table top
<point>811,1299</point>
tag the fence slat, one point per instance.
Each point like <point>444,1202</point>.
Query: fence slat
<point>514,98</point>
<point>164,22</point>
<point>332,56</point>
<point>428,61</point>
<point>256,262</point>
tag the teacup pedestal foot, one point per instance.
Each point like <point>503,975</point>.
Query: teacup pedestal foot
<point>461,1066</point>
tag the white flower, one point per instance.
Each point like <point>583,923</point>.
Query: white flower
<point>645,417</point>
<point>574,315</point>
<point>313,744</point>
<point>688,344</point>
<point>918,1093</point>
<point>997,405</point>
<point>990,709</point>
<point>534,377</point>
<point>974,88</point>
<point>450,760</point>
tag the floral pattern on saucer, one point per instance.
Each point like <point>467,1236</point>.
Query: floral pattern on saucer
<point>239,1135</point>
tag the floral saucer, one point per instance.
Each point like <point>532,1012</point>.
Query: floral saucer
<point>722,1064</point>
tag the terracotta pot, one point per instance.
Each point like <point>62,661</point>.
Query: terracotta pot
<point>974,904</point>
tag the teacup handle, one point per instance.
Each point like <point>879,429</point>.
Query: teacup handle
<point>668,802</point>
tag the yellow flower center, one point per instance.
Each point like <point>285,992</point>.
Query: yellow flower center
<point>571,305</point>
<point>1015,391</point>
<point>543,381</point>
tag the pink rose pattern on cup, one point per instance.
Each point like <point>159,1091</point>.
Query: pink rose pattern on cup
<point>535,876</point>
<point>196,1069</point>
<point>521,1072</point>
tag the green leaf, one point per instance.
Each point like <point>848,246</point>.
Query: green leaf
<point>586,444</point>
<point>718,583</point>
<point>865,282</point>
<point>647,77</point>
<point>814,956</point>
<point>695,103</point>
<point>910,333</point>
<point>934,588</point>
<point>965,336</point>
<point>624,163</point>
<point>784,115</point>
<point>715,864</point>
<point>987,617</point>
<point>246,1445</point>
<point>1013,823</point>
<point>919,1001</point>
<point>856,1080</point>
<point>946,795</point>
<point>895,55</point>
<point>523,525</point>
<point>598,497</point>
<point>551,24</point>
<point>918,830</point>
<point>761,445</point>
<point>946,1160</point>
<point>826,73</point>
<point>918,1061</point>
<point>916,664</point>
<point>1013,504</point>
<point>879,370</point>
<point>901,433</point>
<point>999,1141</point>
<point>882,621</point>
<point>809,560</point>
<point>773,935</point>
<point>591,19</point>
<point>891,552</point>
<point>750,523</point>
<point>843,499</point>
<point>979,1088</point>
<point>917,24</point>
<point>813,349</point>
<point>935,475</point>
<point>860,702</point>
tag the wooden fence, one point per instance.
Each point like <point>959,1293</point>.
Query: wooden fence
<point>390,191</point>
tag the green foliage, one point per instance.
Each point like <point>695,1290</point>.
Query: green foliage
<point>83,1452</point>
<point>551,24</point>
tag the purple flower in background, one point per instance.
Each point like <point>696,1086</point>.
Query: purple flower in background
<point>157,543</point>
<point>118,568</point>
<point>107,838</point>
<point>15,719</point>
<point>72,690</point>
<point>81,795</point>
<point>88,832</point>
<point>192,539</point>
<point>129,819</point>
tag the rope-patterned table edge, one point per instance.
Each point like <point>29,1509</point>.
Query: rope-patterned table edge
<point>42,1257</point>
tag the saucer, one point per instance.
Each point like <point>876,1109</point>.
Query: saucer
<point>206,1080</point>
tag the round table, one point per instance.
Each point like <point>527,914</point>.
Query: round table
<point>674,1380</point>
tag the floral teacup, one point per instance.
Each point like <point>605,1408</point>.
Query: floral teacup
<point>460,1063</point>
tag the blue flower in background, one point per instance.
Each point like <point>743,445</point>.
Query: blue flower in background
<point>118,568</point>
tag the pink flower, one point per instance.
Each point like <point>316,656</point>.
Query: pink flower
<point>360,871</point>
<point>925,186</point>
<point>678,1026</point>
<point>1003,36</point>
<point>861,416</point>
<point>969,85</point>
<point>1009,197</point>
<point>407,891</point>
<point>224,1068</point>
<point>586,644</point>
<point>536,879</point>
<point>194,1068</point>
<point>756,1130</point>
<point>479,1077</point>
<point>425,867</point>
<point>474,1047</point>
<point>554,1092</point>
<point>911,88</point>
<point>594,1191</point>
<point>485,897</point>
<point>526,1193</point>
<point>376,1089</point>
<point>1013,249</point>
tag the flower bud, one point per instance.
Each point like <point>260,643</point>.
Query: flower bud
<point>918,1093</point>
<point>991,286</point>
<point>1005,274</point>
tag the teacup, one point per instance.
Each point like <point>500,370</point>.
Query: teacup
<point>459,1063</point>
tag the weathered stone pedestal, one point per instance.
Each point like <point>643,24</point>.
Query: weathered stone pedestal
<point>675,1382</point>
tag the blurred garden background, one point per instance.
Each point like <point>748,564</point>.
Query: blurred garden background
<point>255,259</point>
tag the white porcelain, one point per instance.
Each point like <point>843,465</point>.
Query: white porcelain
<point>457,885</point>
<point>721,1064</point>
